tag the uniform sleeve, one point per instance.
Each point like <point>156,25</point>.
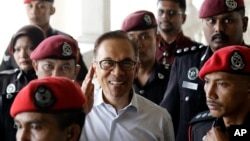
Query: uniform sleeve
<point>171,96</point>
<point>8,62</point>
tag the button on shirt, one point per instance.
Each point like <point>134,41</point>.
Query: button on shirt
<point>141,120</point>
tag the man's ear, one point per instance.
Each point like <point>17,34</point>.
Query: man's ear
<point>78,67</point>
<point>245,23</point>
<point>184,16</point>
<point>73,132</point>
<point>52,10</point>
<point>35,65</point>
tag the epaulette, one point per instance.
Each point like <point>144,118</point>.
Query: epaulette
<point>202,116</point>
<point>188,50</point>
<point>12,71</point>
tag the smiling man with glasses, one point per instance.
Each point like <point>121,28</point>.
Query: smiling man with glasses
<point>118,113</point>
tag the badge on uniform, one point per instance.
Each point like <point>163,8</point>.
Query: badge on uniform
<point>237,62</point>
<point>44,98</point>
<point>11,88</point>
<point>193,73</point>
<point>231,4</point>
<point>148,19</point>
<point>160,76</point>
<point>66,49</point>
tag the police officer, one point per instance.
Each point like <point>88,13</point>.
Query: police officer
<point>171,16</point>
<point>226,76</point>
<point>53,110</point>
<point>39,12</point>
<point>152,77</point>
<point>22,43</point>
<point>223,23</point>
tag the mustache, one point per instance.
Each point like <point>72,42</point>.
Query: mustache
<point>220,35</point>
<point>213,102</point>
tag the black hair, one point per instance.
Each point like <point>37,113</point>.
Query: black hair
<point>182,3</point>
<point>117,34</point>
<point>34,32</point>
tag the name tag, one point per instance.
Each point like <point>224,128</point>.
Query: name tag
<point>190,85</point>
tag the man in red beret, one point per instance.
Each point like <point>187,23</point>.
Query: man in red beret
<point>227,87</point>
<point>39,13</point>
<point>224,23</point>
<point>56,56</point>
<point>170,17</point>
<point>152,76</point>
<point>49,109</point>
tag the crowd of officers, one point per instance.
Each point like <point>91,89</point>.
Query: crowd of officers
<point>154,83</point>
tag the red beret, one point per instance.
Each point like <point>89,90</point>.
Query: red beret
<point>48,95</point>
<point>139,20</point>
<point>35,34</point>
<point>215,7</point>
<point>56,47</point>
<point>231,59</point>
<point>28,1</point>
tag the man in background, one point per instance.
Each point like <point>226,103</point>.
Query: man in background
<point>39,13</point>
<point>170,17</point>
<point>224,23</point>
<point>152,77</point>
<point>227,87</point>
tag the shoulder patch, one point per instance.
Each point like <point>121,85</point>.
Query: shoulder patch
<point>202,116</point>
<point>188,50</point>
<point>12,71</point>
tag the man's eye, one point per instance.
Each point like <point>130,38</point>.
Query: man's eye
<point>160,12</point>
<point>145,36</point>
<point>36,127</point>
<point>227,21</point>
<point>17,126</point>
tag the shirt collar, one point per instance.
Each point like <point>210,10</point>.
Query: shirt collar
<point>98,99</point>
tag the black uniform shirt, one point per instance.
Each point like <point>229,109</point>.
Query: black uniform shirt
<point>199,126</point>
<point>11,82</point>
<point>156,85</point>
<point>185,96</point>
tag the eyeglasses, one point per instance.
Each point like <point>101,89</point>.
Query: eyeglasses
<point>170,13</point>
<point>110,64</point>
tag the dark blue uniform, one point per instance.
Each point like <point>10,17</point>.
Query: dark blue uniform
<point>12,81</point>
<point>8,61</point>
<point>185,96</point>
<point>200,125</point>
<point>203,122</point>
<point>156,85</point>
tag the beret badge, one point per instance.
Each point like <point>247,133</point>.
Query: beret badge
<point>231,4</point>
<point>44,98</point>
<point>237,62</point>
<point>148,19</point>
<point>66,49</point>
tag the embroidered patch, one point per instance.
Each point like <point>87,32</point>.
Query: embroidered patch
<point>193,73</point>
<point>231,4</point>
<point>66,49</point>
<point>148,19</point>
<point>43,97</point>
<point>11,88</point>
<point>237,62</point>
<point>160,76</point>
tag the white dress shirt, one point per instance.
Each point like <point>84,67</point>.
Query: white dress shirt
<point>141,120</point>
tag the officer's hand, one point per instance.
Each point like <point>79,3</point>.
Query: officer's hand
<point>88,90</point>
<point>215,134</point>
